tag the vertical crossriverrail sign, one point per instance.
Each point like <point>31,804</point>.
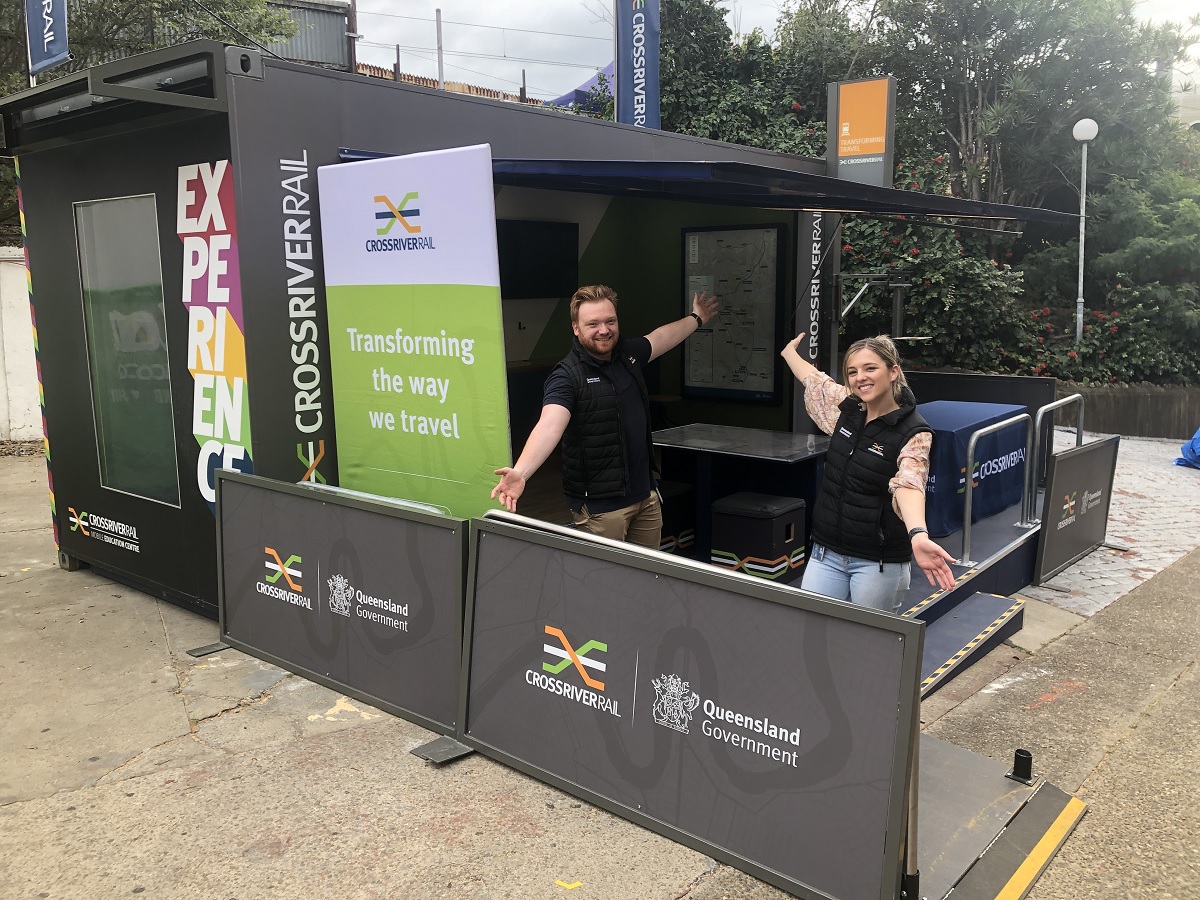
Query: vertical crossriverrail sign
<point>766,727</point>
<point>415,331</point>
<point>636,74</point>
<point>862,130</point>
<point>46,34</point>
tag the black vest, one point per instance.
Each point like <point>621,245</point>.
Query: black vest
<point>853,513</point>
<point>595,463</point>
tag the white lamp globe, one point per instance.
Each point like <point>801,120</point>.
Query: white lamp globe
<point>1085,130</point>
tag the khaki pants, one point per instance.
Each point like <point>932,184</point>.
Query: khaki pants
<point>639,523</point>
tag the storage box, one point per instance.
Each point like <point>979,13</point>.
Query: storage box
<point>759,534</point>
<point>679,518</point>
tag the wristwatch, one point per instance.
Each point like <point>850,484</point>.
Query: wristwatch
<point>913,532</point>
<point>699,321</point>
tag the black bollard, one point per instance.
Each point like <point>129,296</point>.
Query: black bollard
<point>1022,769</point>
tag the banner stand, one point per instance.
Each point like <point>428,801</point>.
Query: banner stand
<point>1079,484</point>
<point>764,726</point>
<point>442,750</point>
<point>360,594</point>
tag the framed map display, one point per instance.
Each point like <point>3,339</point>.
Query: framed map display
<point>735,356</point>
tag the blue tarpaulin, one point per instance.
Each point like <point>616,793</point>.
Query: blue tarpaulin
<point>1191,452</point>
<point>579,96</point>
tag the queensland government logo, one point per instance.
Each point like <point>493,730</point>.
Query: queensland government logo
<point>675,702</point>
<point>102,528</point>
<point>566,656</point>
<point>341,595</point>
<point>347,600</point>
<point>404,214</point>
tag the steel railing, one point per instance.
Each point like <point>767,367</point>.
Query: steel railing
<point>1029,500</point>
<point>965,559</point>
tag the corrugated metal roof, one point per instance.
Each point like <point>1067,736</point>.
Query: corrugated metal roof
<point>320,36</point>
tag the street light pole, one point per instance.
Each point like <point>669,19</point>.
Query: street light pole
<point>1085,130</point>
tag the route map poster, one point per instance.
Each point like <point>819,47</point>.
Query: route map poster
<point>735,356</point>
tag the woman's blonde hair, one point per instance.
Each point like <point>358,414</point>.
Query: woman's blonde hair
<point>883,347</point>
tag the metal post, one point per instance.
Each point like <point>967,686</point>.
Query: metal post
<point>396,71</point>
<point>1029,504</point>
<point>1082,212</point>
<point>912,871</point>
<point>352,35</point>
<point>965,559</point>
<point>441,74</point>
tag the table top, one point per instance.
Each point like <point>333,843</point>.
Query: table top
<point>955,415</point>
<point>755,443</point>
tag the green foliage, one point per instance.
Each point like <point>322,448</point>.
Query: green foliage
<point>1142,316</point>
<point>714,87</point>
<point>947,276</point>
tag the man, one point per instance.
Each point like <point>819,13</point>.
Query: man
<point>595,402</point>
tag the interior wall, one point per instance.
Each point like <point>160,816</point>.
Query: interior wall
<point>638,251</point>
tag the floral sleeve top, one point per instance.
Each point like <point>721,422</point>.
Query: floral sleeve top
<point>823,395</point>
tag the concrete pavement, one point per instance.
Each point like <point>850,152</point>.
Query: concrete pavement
<point>130,767</point>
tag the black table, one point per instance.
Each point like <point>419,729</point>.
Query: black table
<point>726,459</point>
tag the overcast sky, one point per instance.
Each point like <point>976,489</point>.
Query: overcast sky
<point>575,41</point>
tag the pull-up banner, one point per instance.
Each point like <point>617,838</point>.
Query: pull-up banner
<point>352,592</point>
<point>766,727</point>
<point>1079,485</point>
<point>416,346</point>
<point>638,31</point>
<point>46,34</point>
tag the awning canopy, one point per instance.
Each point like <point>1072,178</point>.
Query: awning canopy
<point>743,184</point>
<point>740,184</point>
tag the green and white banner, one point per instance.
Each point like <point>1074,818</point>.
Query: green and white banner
<point>415,333</point>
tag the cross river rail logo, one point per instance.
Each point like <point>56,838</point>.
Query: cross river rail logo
<point>346,600</point>
<point>565,656</point>
<point>675,702</point>
<point>104,529</point>
<point>402,213</point>
<point>987,467</point>
<point>289,571</point>
<point>1075,506</point>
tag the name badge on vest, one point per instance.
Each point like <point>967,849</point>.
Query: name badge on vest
<point>845,432</point>
<point>595,379</point>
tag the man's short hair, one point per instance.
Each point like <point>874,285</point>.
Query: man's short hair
<point>590,294</point>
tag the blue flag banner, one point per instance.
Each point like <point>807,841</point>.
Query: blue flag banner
<point>638,27</point>
<point>46,33</point>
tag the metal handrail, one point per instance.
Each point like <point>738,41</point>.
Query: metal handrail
<point>965,560</point>
<point>1029,501</point>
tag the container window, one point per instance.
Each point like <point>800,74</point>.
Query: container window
<point>123,311</point>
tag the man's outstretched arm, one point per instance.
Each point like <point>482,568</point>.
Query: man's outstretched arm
<point>669,336</point>
<point>542,440</point>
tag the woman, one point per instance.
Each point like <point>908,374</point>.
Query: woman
<point>869,518</point>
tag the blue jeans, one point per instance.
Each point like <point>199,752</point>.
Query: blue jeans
<point>856,580</point>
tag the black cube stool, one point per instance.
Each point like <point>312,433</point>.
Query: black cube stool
<point>759,534</point>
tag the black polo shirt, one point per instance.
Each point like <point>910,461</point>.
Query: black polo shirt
<point>635,423</point>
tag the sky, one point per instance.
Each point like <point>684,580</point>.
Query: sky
<point>559,44</point>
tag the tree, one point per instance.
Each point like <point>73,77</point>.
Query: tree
<point>1008,78</point>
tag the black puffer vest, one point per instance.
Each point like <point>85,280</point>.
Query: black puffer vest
<point>854,514</point>
<point>595,463</point>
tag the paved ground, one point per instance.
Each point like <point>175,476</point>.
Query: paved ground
<point>128,767</point>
